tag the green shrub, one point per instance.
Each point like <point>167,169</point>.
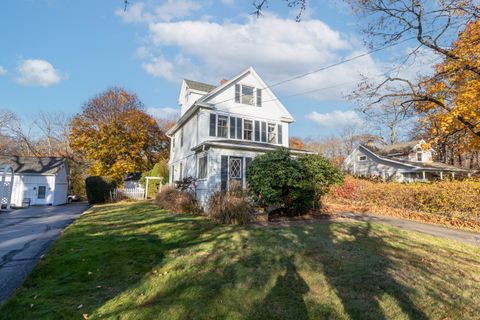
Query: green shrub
<point>178,201</point>
<point>322,174</point>
<point>276,179</point>
<point>232,207</point>
<point>98,189</point>
<point>160,169</point>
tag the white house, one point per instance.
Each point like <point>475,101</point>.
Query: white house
<point>38,181</point>
<point>402,162</point>
<point>222,128</point>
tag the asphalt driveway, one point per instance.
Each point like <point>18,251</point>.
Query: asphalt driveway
<point>25,234</point>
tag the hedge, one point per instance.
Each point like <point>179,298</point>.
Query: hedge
<point>98,189</point>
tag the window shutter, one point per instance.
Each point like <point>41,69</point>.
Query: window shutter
<point>224,174</point>
<point>259,97</point>
<point>232,127</point>
<point>264,132</point>
<point>239,128</point>
<point>257,130</point>
<point>247,164</point>
<point>280,134</point>
<point>213,124</point>
<point>237,93</point>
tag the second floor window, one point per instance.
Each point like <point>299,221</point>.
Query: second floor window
<point>272,134</point>
<point>247,129</point>
<point>222,127</point>
<point>419,156</point>
<point>181,138</point>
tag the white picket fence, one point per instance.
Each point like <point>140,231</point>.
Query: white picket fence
<point>127,194</point>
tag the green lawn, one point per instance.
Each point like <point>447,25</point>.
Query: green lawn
<point>135,261</point>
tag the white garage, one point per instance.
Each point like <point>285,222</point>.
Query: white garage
<point>38,181</point>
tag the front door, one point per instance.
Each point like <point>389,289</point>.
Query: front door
<point>41,194</point>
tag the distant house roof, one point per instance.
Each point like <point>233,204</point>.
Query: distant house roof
<point>394,149</point>
<point>33,165</point>
<point>200,86</point>
<point>134,176</point>
<point>386,155</point>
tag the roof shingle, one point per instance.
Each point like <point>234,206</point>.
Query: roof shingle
<point>200,86</point>
<point>33,165</point>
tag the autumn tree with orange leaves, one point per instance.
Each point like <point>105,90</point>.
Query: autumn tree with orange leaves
<point>453,107</point>
<point>116,136</point>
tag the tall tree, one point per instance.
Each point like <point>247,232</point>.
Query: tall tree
<point>453,107</point>
<point>117,135</point>
<point>432,25</point>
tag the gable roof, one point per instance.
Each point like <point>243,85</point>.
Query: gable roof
<point>203,101</point>
<point>199,86</point>
<point>249,70</point>
<point>33,165</point>
<point>416,166</point>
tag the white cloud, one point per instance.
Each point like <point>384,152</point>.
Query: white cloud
<point>37,72</point>
<point>3,71</point>
<point>163,112</point>
<point>334,119</point>
<point>143,13</point>
<point>227,2</point>
<point>277,48</point>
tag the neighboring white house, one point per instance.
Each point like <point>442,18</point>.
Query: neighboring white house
<point>221,129</point>
<point>38,181</point>
<point>402,162</point>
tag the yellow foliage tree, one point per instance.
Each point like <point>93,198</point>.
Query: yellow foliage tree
<point>116,135</point>
<point>452,96</point>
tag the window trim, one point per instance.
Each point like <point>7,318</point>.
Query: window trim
<point>250,130</point>
<point>274,132</point>
<point>420,154</point>
<point>243,96</point>
<point>227,119</point>
<point>200,157</point>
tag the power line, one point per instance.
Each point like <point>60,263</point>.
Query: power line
<point>329,66</point>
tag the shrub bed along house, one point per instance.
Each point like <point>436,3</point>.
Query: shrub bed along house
<point>454,203</point>
<point>178,201</point>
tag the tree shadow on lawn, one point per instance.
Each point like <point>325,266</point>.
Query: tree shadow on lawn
<point>255,277</point>
<point>99,258</point>
<point>237,277</point>
<point>358,269</point>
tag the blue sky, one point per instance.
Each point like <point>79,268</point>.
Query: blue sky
<point>56,54</point>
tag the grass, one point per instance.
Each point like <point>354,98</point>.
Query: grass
<point>135,261</point>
